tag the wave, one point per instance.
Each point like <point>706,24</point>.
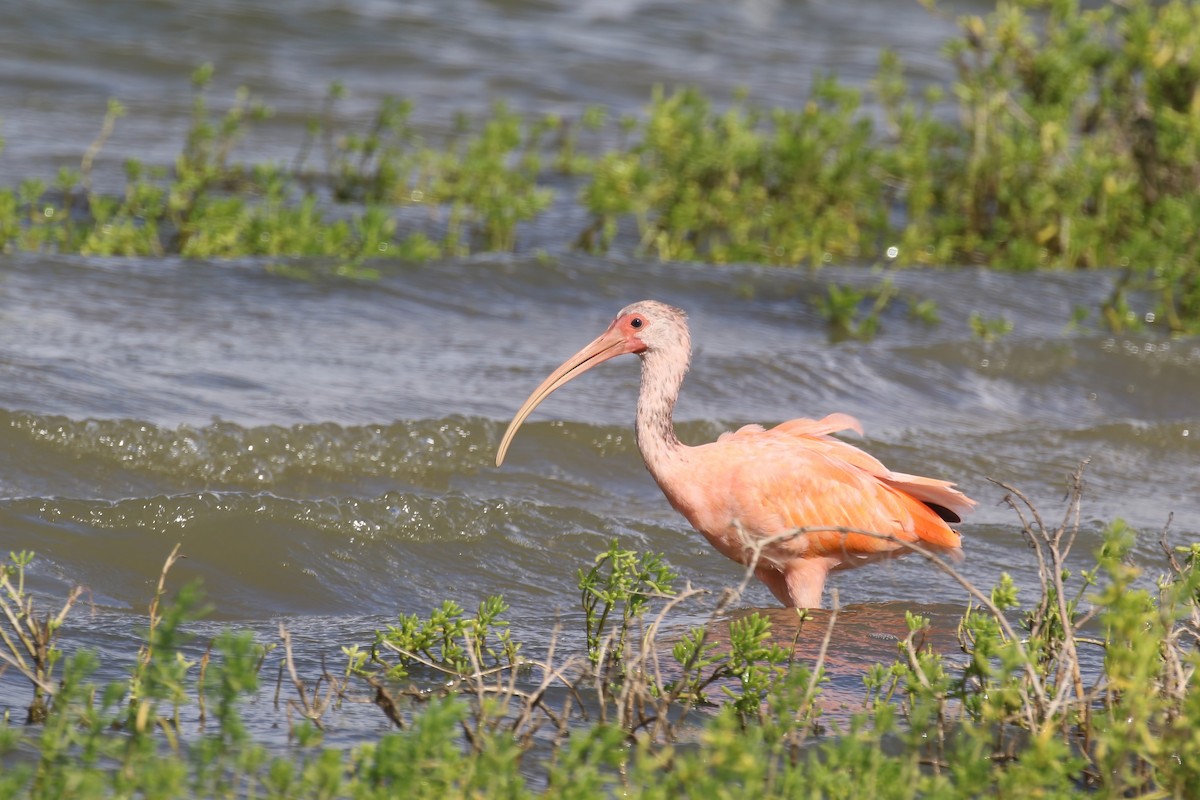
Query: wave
<point>223,454</point>
<point>257,552</point>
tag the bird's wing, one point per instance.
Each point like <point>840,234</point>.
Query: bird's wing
<point>816,434</point>
<point>798,476</point>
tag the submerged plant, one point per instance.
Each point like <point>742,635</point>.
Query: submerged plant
<point>854,313</point>
<point>989,329</point>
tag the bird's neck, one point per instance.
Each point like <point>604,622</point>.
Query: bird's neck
<point>662,375</point>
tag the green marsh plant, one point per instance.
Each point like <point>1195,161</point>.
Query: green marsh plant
<point>779,187</point>
<point>1087,684</point>
<point>854,313</point>
<point>1077,146</point>
<point>989,329</point>
<point>30,640</point>
<point>616,591</point>
<point>447,642</point>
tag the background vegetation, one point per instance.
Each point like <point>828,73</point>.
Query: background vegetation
<point>1070,140</point>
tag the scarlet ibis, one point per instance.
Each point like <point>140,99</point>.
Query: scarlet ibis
<point>754,484</point>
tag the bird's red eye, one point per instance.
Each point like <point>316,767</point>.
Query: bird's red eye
<point>636,322</point>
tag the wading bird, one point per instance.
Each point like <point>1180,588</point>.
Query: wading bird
<point>745,490</point>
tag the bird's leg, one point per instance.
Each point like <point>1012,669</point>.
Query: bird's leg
<point>775,580</point>
<point>800,583</point>
<point>805,578</point>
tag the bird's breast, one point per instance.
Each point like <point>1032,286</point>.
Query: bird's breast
<point>712,496</point>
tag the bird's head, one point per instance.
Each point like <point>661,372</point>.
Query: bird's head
<point>641,328</point>
<point>647,326</point>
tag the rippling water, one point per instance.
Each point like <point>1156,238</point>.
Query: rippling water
<point>324,449</point>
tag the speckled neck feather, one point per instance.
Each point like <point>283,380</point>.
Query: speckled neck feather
<point>663,369</point>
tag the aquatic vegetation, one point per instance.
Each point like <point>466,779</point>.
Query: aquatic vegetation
<point>1020,710</point>
<point>780,187</point>
<point>30,643</point>
<point>989,328</point>
<point>1077,146</point>
<point>446,641</point>
<point>621,582</point>
<point>487,182</point>
<point>854,313</point>
<point>857,311</point>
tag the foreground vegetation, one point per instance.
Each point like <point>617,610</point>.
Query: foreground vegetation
<point>722,709</point>
<point>1070,140</point>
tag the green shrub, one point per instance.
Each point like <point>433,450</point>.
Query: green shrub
<point>743,185</point>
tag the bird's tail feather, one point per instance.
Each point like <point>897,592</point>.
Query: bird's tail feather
<point>938,495</point>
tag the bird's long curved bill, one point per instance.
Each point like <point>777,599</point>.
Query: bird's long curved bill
<point>610,344</point>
